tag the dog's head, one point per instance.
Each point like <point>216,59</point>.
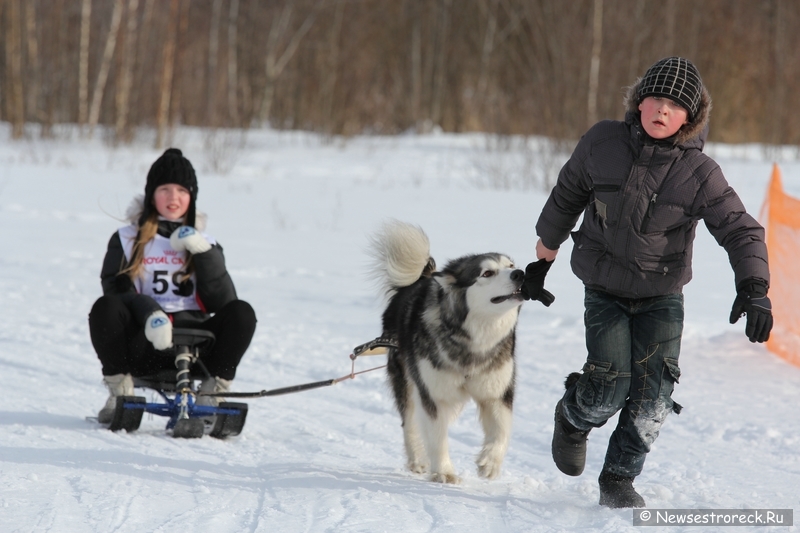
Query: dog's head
<point>489,283</point>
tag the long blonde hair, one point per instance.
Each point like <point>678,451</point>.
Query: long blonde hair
<point>147,231</point>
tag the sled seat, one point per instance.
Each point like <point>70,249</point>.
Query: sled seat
<point>184,341</point>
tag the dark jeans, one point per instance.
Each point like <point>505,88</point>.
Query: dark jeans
<point>632,366</point>
<point>123,349</point>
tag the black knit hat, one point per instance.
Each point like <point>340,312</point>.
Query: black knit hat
<point>171,167</point>
<point>675,78</point>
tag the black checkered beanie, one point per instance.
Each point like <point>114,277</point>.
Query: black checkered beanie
<point>171,167</point>
<point>675,78</point>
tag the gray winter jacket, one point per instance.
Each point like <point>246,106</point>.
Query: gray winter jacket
<point>641,200</point>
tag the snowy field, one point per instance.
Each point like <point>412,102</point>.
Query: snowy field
<point>294,213</point>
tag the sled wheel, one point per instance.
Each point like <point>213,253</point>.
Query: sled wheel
<point>188,428</point>
<point>127,418</point>
<point>229,425</point>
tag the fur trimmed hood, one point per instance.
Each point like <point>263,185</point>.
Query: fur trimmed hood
<point>136,208</point>
<point>688,132</point>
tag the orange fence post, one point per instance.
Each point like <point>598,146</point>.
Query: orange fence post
<point>783,244</point>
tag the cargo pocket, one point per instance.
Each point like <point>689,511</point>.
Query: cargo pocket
<point>586,257</point>
<point>669,378</point>
<point>662,267</point>
<point>605,195</point>
<point>662,275</point>
<point>596,386</point>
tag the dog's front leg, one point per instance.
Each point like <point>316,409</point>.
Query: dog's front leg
<point>495,418</point>
<point>434,431</point>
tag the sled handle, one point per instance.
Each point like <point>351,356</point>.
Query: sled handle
<point>378,346</point>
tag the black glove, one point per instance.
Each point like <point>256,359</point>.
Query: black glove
<point>533,284</point>
<point>752,301</point>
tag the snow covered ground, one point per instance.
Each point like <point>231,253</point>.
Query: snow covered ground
<point>293,213</point>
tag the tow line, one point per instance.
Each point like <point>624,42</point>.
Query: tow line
<point>379,346</point>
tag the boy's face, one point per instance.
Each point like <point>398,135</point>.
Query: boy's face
<point>661,117</point>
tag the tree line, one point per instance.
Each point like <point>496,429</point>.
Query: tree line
<point>344,67</point>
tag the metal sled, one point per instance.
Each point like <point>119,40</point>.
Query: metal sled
<point>186,418</point>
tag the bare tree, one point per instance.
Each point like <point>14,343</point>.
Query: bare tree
<point>83,62</point>
<point>638,38</point>
<point>331,66</point>
<point>52,35</point>
<point>594,69</point>
<point>213,58</point>
<point>669,34</point>
<point>416,63</point>
<point>776,135</point>
<point>167,68</point>
<point>105,66</point>
<point>15,102</point>
<point>504,66</point>
<point>276,61</point>
<point>122,128</point>
<point>34,110</point>
<point>486,49</point>
<point>181,86</point>
<point>438,91</point>
<point>233,62</point>
<point>144,82</point>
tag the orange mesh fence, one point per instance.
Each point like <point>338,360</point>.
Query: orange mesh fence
<point>783,243</point>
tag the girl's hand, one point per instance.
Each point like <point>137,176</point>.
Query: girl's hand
<point>189,239</point>
<point>158,330</point>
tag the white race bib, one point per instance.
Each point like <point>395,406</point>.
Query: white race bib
<point>162,272</point>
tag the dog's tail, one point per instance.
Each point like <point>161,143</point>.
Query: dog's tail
<point>401,254</point>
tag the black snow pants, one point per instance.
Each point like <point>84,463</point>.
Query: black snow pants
<point>123,349</point>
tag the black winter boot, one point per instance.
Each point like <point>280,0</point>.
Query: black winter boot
<point>569,445</point>
<point>617,491</point>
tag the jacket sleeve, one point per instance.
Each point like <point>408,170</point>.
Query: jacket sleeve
<point>734,229</point>
<point>214,284</point>
<point>120,285</point>
<point>568,199</point>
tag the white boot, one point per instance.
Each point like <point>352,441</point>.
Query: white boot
<point>210,385</point>
<point>118,385</point>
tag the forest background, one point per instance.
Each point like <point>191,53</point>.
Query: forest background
<point>347,67</point>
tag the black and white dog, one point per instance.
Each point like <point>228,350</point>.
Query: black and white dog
<point>455,332</point>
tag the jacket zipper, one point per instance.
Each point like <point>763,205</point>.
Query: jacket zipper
<point>649,214</point>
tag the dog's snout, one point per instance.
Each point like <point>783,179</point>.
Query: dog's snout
<point>517,275</point>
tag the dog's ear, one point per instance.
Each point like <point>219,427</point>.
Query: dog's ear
<point>444,279</point>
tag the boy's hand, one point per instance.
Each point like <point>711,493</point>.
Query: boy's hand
<point>533,284</point>
<point>543,252</point>
<point>752,301</point>
<point>189,239</point>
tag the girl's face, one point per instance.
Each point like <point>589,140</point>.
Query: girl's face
<point>661,117</point>
<point>172,201</point>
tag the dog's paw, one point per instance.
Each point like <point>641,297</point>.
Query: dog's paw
<point>418,467</point>
<point>442,477</point>
<point>489,463</point>
<point>489,471</point>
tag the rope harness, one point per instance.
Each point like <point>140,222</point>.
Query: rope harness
<point>379,346</point>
